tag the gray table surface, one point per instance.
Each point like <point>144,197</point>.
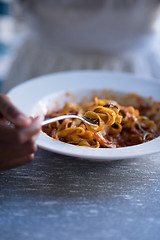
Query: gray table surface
<point>60,197</point>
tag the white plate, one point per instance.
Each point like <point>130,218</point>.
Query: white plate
<point>34,95</point>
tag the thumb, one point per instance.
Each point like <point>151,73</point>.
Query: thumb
<point>12,113</point>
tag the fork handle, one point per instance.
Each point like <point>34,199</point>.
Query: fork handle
<point>54,119</point>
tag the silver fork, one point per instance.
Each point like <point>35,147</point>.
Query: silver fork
<point>54,119</point>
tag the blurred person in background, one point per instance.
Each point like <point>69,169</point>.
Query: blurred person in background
<point>121,35</point>
<point>117,35</point>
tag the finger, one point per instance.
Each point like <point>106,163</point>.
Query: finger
<point>26,134</point>
<point>19,135</point>
<point>6,146</point>
<point>12,113</point>
<point>16,162</point>
<point>16,151</point>
<point>7,133</point>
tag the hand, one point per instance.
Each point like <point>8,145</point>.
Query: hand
<point>18,140</point>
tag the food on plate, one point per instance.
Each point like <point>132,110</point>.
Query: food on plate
<point>118,124</point>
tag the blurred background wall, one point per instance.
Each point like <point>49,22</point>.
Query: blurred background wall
<point>11,31</point>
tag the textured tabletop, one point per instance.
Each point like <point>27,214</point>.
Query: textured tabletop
<point>65,198</point>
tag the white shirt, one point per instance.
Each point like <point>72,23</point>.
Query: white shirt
<point>88,34</point>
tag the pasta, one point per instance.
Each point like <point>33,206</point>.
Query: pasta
<point>117,125</point>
